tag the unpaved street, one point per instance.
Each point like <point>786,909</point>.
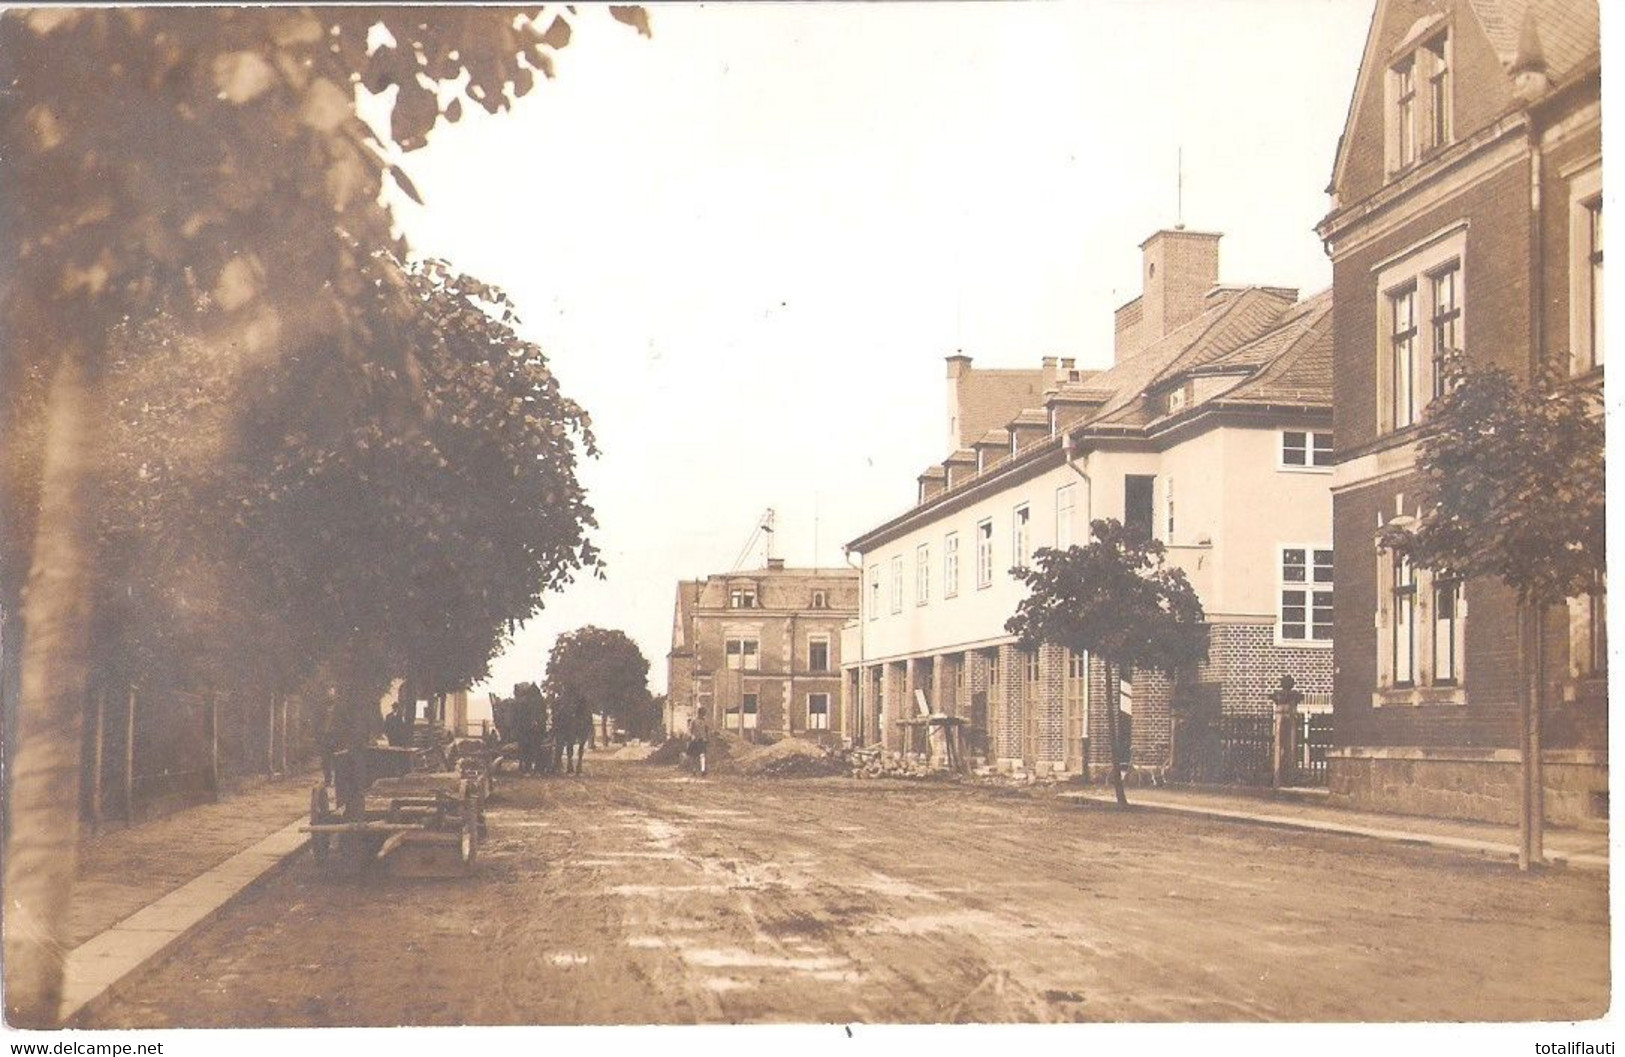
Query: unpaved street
<point>637,895</point>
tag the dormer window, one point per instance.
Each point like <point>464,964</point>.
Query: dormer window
<point>1439,101</point>
<point>820,600</point>
<point>1176,400</point>
<point>743,597</point>
<point>1421,108</point>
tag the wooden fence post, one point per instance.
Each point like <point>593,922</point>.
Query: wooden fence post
<point>282,708</point>
<point>212,714</point>
<point>98,719</point>
<point>129,755</point>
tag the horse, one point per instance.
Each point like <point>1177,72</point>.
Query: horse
<point>521,721</point>
<point>572,730</point>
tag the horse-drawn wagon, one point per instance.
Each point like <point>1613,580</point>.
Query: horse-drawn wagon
<point>417,824</point>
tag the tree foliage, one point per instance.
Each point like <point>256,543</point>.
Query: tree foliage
<point>1114,599</point>
<point>598,670</point>
<point>1511,484</point>
<point>1117,601</point>
<point>207,168</point>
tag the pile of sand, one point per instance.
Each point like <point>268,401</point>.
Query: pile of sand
<point>789,758</point>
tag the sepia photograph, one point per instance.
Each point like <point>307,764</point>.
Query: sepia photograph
<point>881,519</point>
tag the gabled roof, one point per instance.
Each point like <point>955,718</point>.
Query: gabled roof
<point>1294,359</point>
<point>1568,32</point>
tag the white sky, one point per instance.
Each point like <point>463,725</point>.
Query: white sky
<point>748,243</point>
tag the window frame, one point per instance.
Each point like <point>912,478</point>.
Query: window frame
<point>896,583</point>
<point>824,641</point>
<point>750,660</point>
<point>1311,451</point>
<point>950,565</point>
<point>1587,351</point>
<point>984,553</point>
<point>1426,685</point>
<point>1310,586</point>
<point>1066,506</point>
<point>1411,272</point>
<point>820,600</point>
<point>874,591</point>
<point>743,596</point>
<point>1021,535</point>
<point>813,724</point>
<point>922,574</point>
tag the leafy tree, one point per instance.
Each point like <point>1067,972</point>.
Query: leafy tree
<point>597,669</point>
<point>1511,480</point>
<point>1117,601</point>
<point>211,158</point>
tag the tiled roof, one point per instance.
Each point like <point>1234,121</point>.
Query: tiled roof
<point>1295,357</point>
<point>1568,30</point>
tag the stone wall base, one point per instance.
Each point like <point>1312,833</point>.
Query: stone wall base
<point>1480,787</point>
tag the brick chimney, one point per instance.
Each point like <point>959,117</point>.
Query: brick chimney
<point>1178,268</point>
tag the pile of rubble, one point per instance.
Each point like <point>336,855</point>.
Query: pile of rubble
<point>874,763</point>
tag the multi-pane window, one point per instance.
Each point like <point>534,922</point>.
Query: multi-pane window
<point>742,597</point>
<point>817,711</point>
<point>874,591</point>
<point>984,553</point>
<point>818,655</point>
<point>1402,357</point>
<point>1301,449</point>
<point>744,655</point>
<point>950,565</point>
<point>1421,108</point>
<point>922,574</point>
<point>1405,110</point>
<point>1402,610</point>
<point>1439,101</point>
<point>1306,594</point>
<point>1065,508</point>
<point>1019,537</point>
<point>1446,608</point>
<point>1168,509</point>
<point>897,583</point>
<point>749,709</point>
<point>1445,287</point>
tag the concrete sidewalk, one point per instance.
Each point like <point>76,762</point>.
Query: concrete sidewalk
<point>1582,849</point>
<point>140,889</point>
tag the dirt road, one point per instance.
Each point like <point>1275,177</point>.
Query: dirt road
<point>636,895</point>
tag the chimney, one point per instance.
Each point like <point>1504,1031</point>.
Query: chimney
<point>959,370</point>
<point>775,564</point>
<point>1178,268</point>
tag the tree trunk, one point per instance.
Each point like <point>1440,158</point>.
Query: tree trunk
<point>1531,665</point>
<point>129,754</point>
<point>46,770</point>
<point>1111,733</point>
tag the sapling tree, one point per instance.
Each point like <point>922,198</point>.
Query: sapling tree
<point>1118,601</point>
<point>1510,486</point>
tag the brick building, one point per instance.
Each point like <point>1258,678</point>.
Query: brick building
<point>760,651</point>
<point>1211,430</point>
<point>1466,214</point>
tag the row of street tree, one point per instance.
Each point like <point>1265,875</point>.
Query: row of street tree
<point>249,443</point>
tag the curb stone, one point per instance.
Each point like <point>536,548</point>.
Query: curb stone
<point>96,969</point>
<point>1489,849</point>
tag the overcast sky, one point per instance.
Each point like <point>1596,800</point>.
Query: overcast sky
<point>748,243</point>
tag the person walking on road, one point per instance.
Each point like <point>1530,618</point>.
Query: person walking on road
<point>697,745</point>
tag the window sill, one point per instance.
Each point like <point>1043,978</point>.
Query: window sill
<point>1417,696</point>
<point>1310,644</point>
<point>1284,468</point>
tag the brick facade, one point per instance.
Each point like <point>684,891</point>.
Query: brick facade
<point>1516,144</point>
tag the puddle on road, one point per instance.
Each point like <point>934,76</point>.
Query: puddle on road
<point>739,958</point>
<point>566,958</point>
<point>722,984</point>
<point>895,886</point>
